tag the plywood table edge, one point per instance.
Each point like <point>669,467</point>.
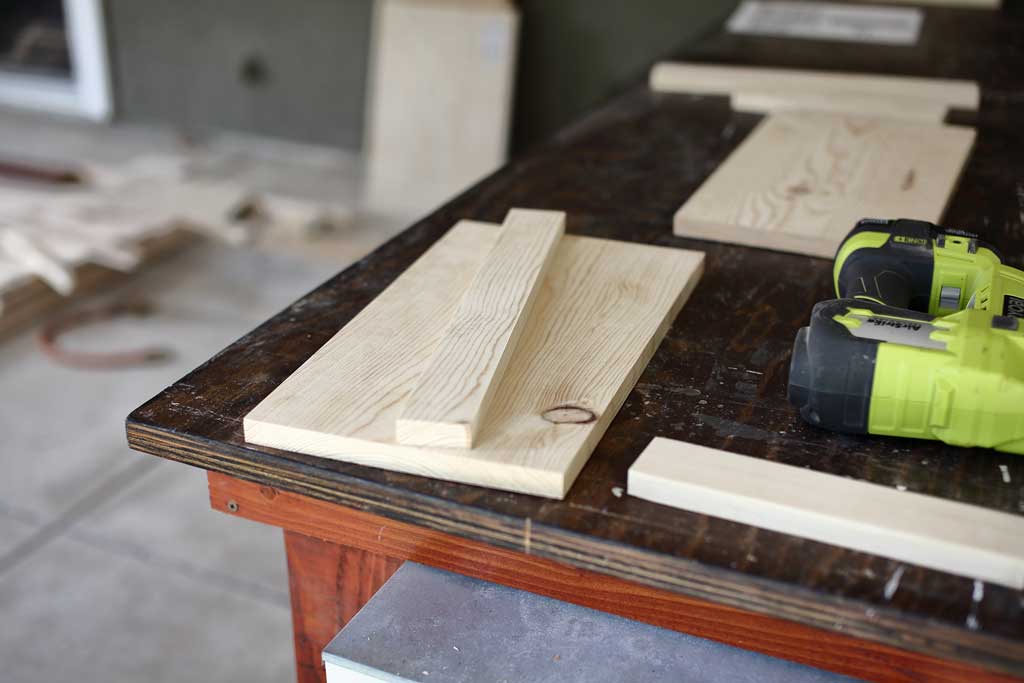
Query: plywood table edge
<point>775,636</point>
<point>687,577</point>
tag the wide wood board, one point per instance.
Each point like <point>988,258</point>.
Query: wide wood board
<point>801,180</point>
<point>604,307</point>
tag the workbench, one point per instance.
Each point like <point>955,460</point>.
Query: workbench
<point>718,379</point>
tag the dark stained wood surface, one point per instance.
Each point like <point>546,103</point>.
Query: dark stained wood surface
<point>718,379</point>
<point>337,557</point>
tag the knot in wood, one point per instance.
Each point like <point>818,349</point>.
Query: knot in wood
<point>568,414</point>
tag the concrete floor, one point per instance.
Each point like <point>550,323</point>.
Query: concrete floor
<point>112,565</point>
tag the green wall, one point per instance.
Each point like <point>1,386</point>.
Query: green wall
<point>576,53</point>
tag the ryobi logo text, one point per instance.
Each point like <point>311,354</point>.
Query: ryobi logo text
<point>898,324</point>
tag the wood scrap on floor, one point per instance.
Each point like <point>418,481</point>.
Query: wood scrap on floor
<point>28,299</point>
<point>56,244</point>
<point>455,390</point>
<point>802,180</point>
<point>920,529</point>
<point>603,309</point>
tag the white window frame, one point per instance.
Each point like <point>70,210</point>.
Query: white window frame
<point>87,93</point>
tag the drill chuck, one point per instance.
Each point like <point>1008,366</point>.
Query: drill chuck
<point>831,372</point>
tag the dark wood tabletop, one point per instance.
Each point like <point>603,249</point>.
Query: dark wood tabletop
<point>718,379</point>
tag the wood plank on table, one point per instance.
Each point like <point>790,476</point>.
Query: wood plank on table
<point>896,107</point>
<point>942,534</point>
<point>455,390</point>
<point>603,310</point>
<point>714,79</point>
<point>801,180</point>
<point>351,538</point>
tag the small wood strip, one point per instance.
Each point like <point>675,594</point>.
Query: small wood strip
<point>912,108</point>
<point>377,535</point>
<point>454,392</point>
<point>712,79</point>
<point>932,532</point>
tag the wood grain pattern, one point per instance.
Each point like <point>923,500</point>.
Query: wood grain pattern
<point>455,390</point>
<point>711,79</point>
<point>346,532</point>
<point>891,106</point>
<point>328,583</point>
<point>941,534</point>
<point>603,310</point>
<point>802,180</point>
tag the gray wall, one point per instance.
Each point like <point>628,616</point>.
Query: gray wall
<point>184,62</point>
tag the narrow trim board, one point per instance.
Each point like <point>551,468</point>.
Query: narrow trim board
<point>801,180</point>
<point>603,310</point>
<point>924,530</point>
<point>713,79</point>
<point>912,108</point>
<point>448,404</point>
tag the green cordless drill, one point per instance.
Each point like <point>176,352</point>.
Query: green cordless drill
<point>926,340</point>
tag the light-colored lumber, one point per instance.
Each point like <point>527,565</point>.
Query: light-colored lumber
<point>969,4</point>
<point>932,532</point>
<point>454,392</point>
<point>711,79</point>
<point>801,180</point>
<point>439,100</point>
<point>603,309</point>
<point>912,108</point>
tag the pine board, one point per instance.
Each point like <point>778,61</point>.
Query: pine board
<point>801,180</point>
<point>448,404</point>
<point>912,108</point>
<point>430,137</point>
<point>602,312</point>
<point>713,79</point>
<point>940,534</point>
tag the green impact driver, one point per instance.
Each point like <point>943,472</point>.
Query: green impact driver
<point>926,340</point>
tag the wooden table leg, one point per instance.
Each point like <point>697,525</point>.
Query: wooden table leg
<point>329,583</point>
